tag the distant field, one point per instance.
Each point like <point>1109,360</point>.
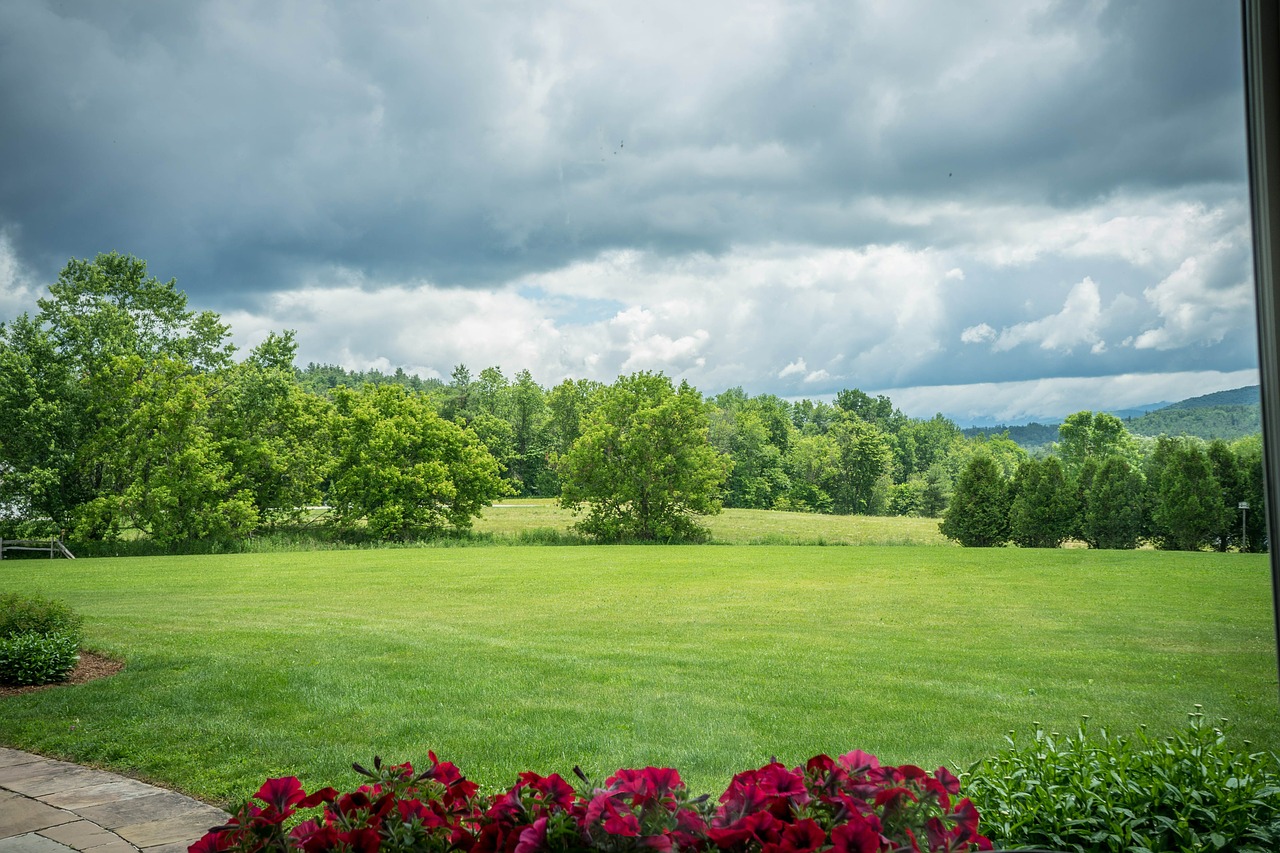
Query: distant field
<point>513,517</point>
<point>706,658</point>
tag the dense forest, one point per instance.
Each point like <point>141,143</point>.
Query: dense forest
<point>123,413</point>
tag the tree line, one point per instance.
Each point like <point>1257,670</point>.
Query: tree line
<point>1109,489</point>
<point>124,413</point>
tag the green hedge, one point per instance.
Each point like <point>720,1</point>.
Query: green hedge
<point>39,640</point>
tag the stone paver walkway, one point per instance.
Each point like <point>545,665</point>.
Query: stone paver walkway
<point>49,806</point>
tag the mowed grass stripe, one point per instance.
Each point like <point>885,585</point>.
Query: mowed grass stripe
<point>709,659</point>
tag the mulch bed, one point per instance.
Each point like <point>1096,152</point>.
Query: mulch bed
<point>91,667</point>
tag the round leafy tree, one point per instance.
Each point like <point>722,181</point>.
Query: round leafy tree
<point>643,466</point>
<point>404,471</point>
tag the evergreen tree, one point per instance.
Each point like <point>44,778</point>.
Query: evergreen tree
<point>1111,515</point>
<point>1187,509</point>
<point>1043,508</point>
<point>979,513</point>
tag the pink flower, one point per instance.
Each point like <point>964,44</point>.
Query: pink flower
<point>533,838</point>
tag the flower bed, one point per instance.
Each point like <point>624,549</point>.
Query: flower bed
<point>847,805</point>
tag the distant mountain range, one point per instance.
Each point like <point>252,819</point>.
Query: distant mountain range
<point>1223,414</point>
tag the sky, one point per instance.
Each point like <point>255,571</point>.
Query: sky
<point>1000,211</point>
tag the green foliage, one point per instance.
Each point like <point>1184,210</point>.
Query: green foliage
<point>1187,507</point>
<point>920,445</point>
<point>936,496</point>
<point>1186,793</point>
<point>162,469</point>
<point>1111,504</point>
<point>1030,436</point>
<point>22,614</point>
<point>863,456</point>
<point>1086,435</point>
<point>643,466</point>
<point>271,432</point>
<point>979,513</point>
<point>401,470</point>
<point>1043,508</point>
<point>1248,453</point>
<point>758,477</point>
<point>1005,452</point>
<point>33,658</point>
<point>39,639</point>
<point>812,465</point>
<point>1206,422</point>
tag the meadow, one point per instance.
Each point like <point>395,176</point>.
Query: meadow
<point>709,659</point>
<point>514,519</point>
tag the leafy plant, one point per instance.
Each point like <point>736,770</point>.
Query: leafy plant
<point>39,639</point>
<point>33,658</point>
<point>21,614</point>
<point>846,805</point>
<point>1139,794</point>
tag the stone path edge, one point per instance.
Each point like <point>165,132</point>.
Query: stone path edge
<point>51,806</point>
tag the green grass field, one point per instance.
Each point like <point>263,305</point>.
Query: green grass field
<point>709,659</point>
<point>514,517</point>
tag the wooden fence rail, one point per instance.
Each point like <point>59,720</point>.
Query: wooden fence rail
<point>53,546</point>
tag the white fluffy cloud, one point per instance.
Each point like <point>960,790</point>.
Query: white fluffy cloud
<point>1051,398</point>
<point>981,333</point>
<point>1076,324</point>
<point>1193,310</point>
<point>718,321</point>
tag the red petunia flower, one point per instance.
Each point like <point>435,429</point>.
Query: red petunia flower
<point>533,838</point>
<point>856,836</point>
<point>212,842</point>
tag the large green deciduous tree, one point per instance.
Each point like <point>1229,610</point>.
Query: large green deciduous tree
<point>643,467</point>
<point>401,470</point>
<point>53,368</point>
<point>162,469</point>
<point>1086,435</point>
<point>758,478</point>
<point>272,432</point>
<point>864,458</point>
<point>979,513</point>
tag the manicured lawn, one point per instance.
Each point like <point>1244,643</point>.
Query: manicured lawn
<point>515,516</point>
<point>709,659</point>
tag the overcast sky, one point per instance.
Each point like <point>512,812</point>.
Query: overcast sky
<point>1014,209</point>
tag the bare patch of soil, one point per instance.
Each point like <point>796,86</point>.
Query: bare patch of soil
<point>90,667</point>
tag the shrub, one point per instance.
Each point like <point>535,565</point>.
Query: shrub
<point>845,805</point>
<point>39,639</point>
<point>21,614</point>
<point>1140,794</point>
<point>32,658</point>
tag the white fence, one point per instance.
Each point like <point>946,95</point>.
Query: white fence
<point>53,546</point>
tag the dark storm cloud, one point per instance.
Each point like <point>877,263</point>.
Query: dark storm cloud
<point>239,146</point>
<point>796,197</point>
